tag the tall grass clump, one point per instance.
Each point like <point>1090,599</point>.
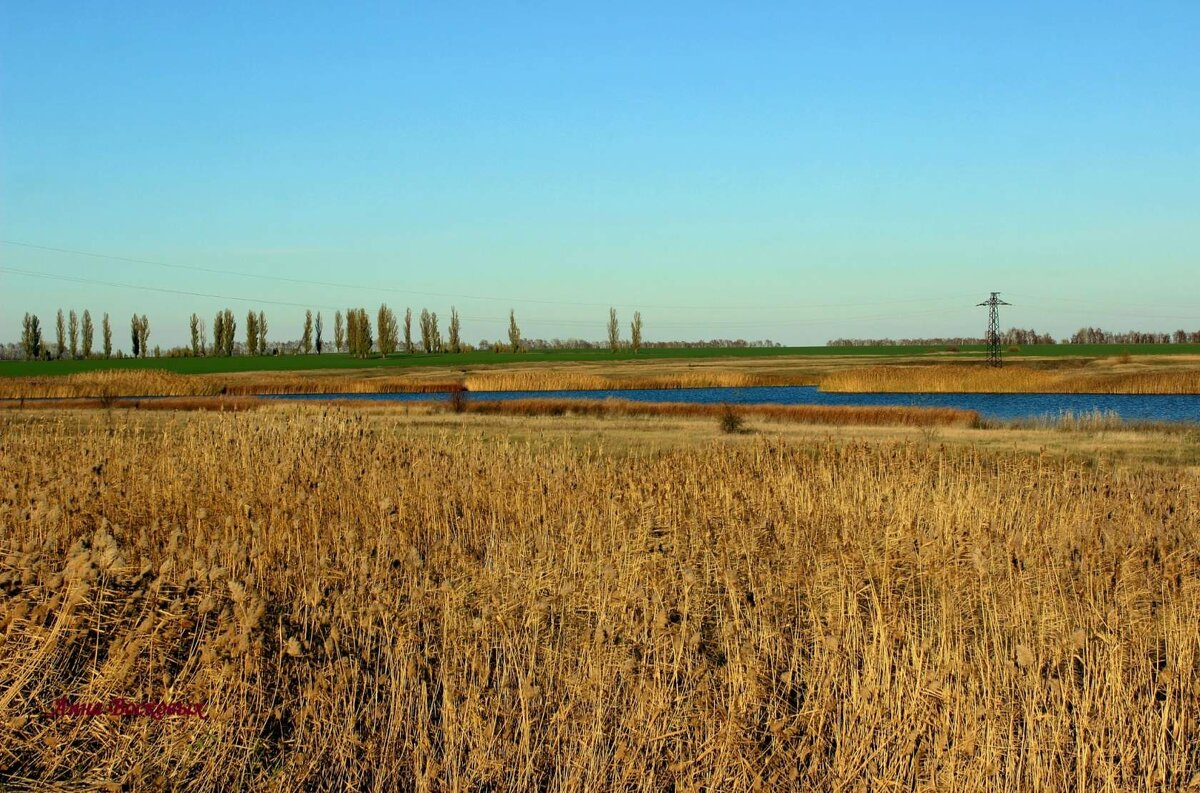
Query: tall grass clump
<point>361,608</point>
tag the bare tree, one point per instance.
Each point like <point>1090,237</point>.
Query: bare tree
<point>435,335</point>
<point>262,333</point>
<point>320,331</point>
<point>203,338</point>
<point>135,334</point>
<point>31,337</point>
<point>194,326</point>
<point>614,331</point>
<point>60,338</point>
<point>339,332</point>
<point>73,333</point>
<point>408,343</point>
<point>454,329</point>
<point>306,336</point>
<point>514,333</point>
<point>89,333</point>
<point>635,332</point>
<point>106,335</point>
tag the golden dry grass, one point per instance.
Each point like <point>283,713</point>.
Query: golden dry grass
<point>550,380</point>
<point>1011,379</point>
<point>371,381</point>
<point>152,382</point>
<point>107,383</point>
<point>366,608</point>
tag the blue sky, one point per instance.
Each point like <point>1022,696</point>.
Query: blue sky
<point>793,171</point>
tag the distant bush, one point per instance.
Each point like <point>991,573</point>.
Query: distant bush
<point>731,421</point>
<point>458,399</point>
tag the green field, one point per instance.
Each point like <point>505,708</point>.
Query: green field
<point>344,361</point>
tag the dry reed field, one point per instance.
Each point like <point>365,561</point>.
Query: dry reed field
<point>534,380</point>
<point>834,415</point>
<point>148,382</point>
<point>1012,379</point>
<point>358,606</point>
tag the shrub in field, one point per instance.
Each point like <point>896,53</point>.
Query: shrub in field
<point>458,399</point>
<point>731,420</point>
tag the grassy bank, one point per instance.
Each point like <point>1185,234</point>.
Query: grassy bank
<point>359,607</point>
<point>288,363</point>
<point>298,363</point>
<point>1149,374</point>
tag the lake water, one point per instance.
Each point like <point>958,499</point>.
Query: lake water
<point>1132,407</point>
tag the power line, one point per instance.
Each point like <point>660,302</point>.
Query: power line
<point>165,290</point>
<point>531,320</point>
<point>493,298</point>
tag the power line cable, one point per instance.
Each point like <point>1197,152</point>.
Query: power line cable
<point>493,298</point>
<point>532,320</point>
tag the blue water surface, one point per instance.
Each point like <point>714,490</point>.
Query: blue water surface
<point>1002,407</point>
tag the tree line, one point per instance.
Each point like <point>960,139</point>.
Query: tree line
<point>73,336</point>
<point>1100,336</point>
<point>1019,336</point>
<point>355,332</point>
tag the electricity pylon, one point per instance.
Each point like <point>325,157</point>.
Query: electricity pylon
<point>993,333</point>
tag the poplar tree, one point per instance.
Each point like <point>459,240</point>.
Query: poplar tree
<point>320,330</point>
<point>306,336</point>
<point>435,335</point>
<point>352,331</point>
<point>89,332</point>
<point>195,328</point>
<point>73,333</point>
<point>426,331</point>
<point>455,327</point>
<point>60,341</point>
<point>385,327</point>
<point>614,331</point>
<point>31,337</point>
<point>144,333</point>
<point>251,333</point>
<point>635,332</point>
<point>514,333</point>
<point>339,332</point>
<point>408,342</point>
<point>135,336</point>
<point>262,333</point>
<point>106,335</point>
<point>219,333</point>
<point>230,332</point>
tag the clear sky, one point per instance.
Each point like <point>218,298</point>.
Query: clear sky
<point>796,171</point>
